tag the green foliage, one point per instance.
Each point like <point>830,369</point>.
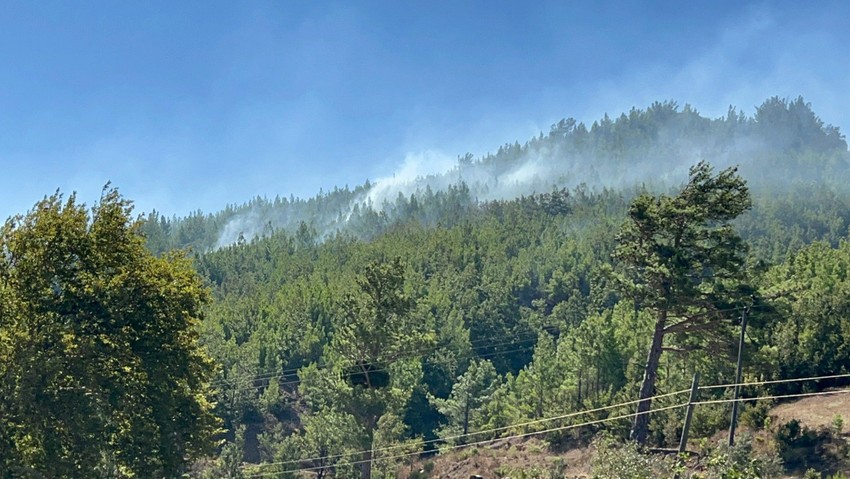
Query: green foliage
<point>389,441</point>
<point>837,424</point>
<point>803,447</point>
<point>741,462</point>
<point>534,387</point>
<point>100,366</point>
<point>462,408</point>
<point>627,460</point>
<point>812,337</point>
<point>616,460</point>
<point>230,459</point>
<point>680,258</point>
<point>756,415</point>
<point>680,253</point>
<point>376,327</point>
<point>811,474</point>
<point>512,301</point>
<point>532,472</point>
<point>329,438</point>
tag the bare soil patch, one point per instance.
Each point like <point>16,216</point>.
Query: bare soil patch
<point>815,411</point>
<point>503,458</point>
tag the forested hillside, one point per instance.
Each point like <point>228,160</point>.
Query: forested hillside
<point>452,306</point>
<point>354,331</point>
<point>784,150</point>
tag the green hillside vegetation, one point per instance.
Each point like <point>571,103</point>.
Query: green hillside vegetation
<point>518,316</point>
<point>784,151</point>
<point>348,337</point>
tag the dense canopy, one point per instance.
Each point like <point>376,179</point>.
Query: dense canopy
<point>101,373</point>
<point>346,334</point>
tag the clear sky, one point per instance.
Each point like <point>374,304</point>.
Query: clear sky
<point>195,105</point>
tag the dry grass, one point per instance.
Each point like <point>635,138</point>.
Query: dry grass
<point>815,411</point>
<point>499,458</point>
<point>496,459</point>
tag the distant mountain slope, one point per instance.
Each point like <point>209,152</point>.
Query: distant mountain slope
<point>783,145</point>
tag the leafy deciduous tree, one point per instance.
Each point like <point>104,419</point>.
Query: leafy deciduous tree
<point>101,374</point>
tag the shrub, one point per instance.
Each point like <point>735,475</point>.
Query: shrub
<point>616,460</point>
<point>801,446</point>
<point>741,462</point>
<point>837,424</point>
<point>756,415</point>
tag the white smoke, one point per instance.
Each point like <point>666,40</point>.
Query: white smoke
<point>658,159</point>
<point>245,227</point>
<point>409,177</point>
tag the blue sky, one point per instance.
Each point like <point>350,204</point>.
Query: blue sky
<point>196,105</point>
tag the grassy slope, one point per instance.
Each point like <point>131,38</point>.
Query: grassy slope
<point>533,458</point>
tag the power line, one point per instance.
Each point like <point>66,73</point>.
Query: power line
<point>533,336</point>
<point>485,431</point>
<point>776,381</point>
<point>783,396</point>
<point>233,385</point>
<point>385,369</point>
<point>561,417</point>
<point>236,386</point>
<point>478,443</point>
<point>430,349</point>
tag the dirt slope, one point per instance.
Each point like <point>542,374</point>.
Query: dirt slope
<point>814,411</point>
<point>505,458</point>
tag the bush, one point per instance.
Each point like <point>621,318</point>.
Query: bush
<point>801,446</point>
<point>427,468</point>
<point>616,460</point>
<point>756,415</point>
<point>557,469</point>
<point>533,472</point>
<point>837,424</point>
<point>741,462</point>
<point>709,419</point>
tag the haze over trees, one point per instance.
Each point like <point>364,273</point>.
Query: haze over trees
<point>351,332</point>
<point>782,146</point>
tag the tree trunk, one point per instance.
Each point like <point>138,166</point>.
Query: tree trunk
<point>598,369</point>
<point>647,387</point>
<point>365,371</point>
<point>539,408</point>
<point>465,420</point>
<point>579,387</point>
<point>369,455</point>
<point>366,465</point>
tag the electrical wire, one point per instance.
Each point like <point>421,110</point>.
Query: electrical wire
<point>430,349</point>
<point>775,381</point>
<point>478,443</point>
<point>235,386</point>
<point>555,418</point>
<point>488,431</point>
<point>292,371</point>
<point>249,387</point>
<point>783,396</point>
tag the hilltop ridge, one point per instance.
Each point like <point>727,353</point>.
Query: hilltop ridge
<point>783,145</point>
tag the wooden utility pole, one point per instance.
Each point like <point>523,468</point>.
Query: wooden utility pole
<point>738,377</point>
<point>683,441</point>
